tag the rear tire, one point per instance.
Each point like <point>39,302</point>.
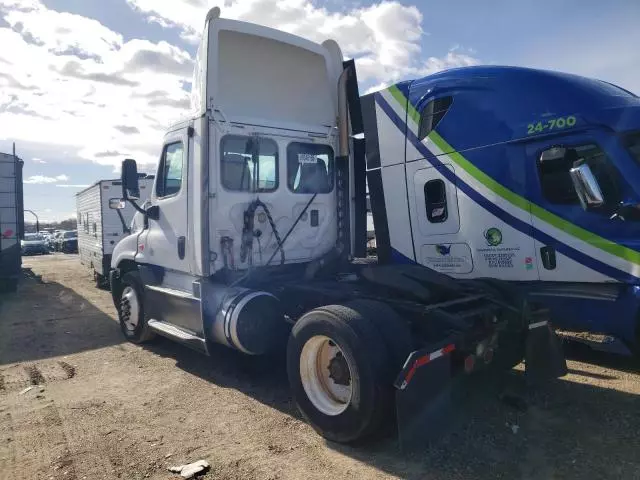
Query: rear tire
<point>99,280</point>
<point>338,366</point>
<point>394,331</point>
<point>131,309</point>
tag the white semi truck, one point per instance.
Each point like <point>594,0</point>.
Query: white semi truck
<point>254,234</point>
<point>104,218</point>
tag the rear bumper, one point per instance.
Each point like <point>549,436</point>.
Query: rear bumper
<point>435,383</point>
<point>34,250</point>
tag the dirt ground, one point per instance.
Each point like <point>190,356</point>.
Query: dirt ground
<point>101,408</point>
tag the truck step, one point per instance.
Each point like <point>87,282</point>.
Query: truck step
<point>190,339</point>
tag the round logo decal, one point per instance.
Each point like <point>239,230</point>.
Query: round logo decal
<point>493,236</point>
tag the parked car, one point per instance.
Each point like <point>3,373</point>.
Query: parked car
<point>55,240</point>
<point>68,242</point>
<point>33,243</point>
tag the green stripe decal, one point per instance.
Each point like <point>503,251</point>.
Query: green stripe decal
<point>498,189</point>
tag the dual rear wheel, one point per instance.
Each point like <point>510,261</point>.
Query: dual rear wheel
<point>341,368</point>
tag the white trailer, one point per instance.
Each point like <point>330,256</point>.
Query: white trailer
<point>11,220</point>
<point>103,220</point>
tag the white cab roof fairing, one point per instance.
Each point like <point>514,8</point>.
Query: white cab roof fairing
<point>258,75</point>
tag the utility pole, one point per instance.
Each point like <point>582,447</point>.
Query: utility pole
<point>37,221</point>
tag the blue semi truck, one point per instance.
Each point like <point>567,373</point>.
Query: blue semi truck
<point>515,174</point>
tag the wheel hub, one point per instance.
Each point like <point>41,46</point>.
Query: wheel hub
<point>325,374</point>
<point>129,308</point>
<point>339,370</point>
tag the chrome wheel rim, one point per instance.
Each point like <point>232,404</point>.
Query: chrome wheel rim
<point>129,308</point>
<point>326,375</point>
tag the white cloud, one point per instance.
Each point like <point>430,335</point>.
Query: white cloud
<point>84,89</point>
<point>41,179</point>
<point>38,160</point>
<point>60,32</point>
<point>72,186</point>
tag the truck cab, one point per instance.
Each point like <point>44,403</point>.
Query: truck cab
<point>516,174</point>
<point>249,236</point>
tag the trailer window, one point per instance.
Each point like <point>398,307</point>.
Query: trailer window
<point>249,164</point>
<point>555,180</point>
<point>170,170</point>
<point>309,168</point>
<point>435,195</point>
<point>432,113</point>
<point>86,223</point>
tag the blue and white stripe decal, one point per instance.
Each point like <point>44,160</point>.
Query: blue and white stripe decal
<point>518,224</point>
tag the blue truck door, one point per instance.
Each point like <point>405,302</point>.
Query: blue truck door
<point>574,244</point>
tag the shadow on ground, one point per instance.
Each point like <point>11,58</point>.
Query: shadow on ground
<point>567,430</point>
<point>583,353</point>
<point>44,320</point>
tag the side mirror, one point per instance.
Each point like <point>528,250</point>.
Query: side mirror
<point>587,187</point>
<point>130,186</point>
<point>117,203</point>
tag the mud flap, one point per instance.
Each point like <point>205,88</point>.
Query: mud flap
<point>544,358</point>
<point>425,397</point>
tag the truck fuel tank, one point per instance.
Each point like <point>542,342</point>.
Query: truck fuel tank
<point>251,321</point>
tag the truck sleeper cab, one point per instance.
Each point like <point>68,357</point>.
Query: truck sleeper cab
<point>256,213</point>
<point>515,174</point>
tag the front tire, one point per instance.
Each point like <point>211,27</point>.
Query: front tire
<point>337,366</point>
<point>131,310</point>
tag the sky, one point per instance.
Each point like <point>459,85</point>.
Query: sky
<point>87,83</point>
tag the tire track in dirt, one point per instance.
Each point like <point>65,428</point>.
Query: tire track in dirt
<point>7,447</point>
<point>35,375</point>
<point>63,464</point>
<point>70,370</point>
<point>2,385</point>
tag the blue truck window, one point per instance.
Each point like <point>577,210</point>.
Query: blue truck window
<point>435,195</point>
<point>632,142</point>
<point>432,114</point>
<point>555,180</point>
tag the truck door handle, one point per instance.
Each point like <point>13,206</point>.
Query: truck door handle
<point>181,244</point>
<point>548,255</point>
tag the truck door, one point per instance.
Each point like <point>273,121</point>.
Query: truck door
<point>463,221</point>
<point>574,243</point>
<point>165,241</point>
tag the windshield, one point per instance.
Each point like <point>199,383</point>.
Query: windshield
<point>30,237</point>
<point>632,142</point>
<point>70,234</point>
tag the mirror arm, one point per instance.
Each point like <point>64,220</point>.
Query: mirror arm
<point>125,229</point>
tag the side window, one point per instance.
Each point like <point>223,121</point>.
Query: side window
<point>435,195</point>
<point>86,223</point>
<point>249,164</point>
<point>79,221</point>
<point>170,170</point>
<point>432,114</point>
<point>309,168</point>
<point>95,228</point>
<point>555,181</point>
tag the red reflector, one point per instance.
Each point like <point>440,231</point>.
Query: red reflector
<point>469,363</point>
